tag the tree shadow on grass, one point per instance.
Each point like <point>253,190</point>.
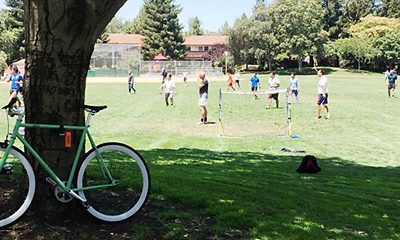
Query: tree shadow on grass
<point>260,195</point>
<point>306,71</point>
<point>202,194</point>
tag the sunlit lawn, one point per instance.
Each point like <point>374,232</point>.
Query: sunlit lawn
<point>241,186</point>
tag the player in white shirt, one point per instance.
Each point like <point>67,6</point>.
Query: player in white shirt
<point>274,84</point>
<point>169,87</point>
<point>237,79</point>
<point>294,86</point>
<point>322,90</point>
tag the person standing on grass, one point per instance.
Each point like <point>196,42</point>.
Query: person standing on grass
<point>274,84</point>
<point>255,83</point>
<point>392,82</point>
<point>203,101</point>
<point>230,82</point>
<point>169,91</point>
<point>237,79</point>
<point>294,86</point>
<point>131,82</point>
<point>164,75</point>
<point>185,77</point>
<point>16,80</point>
<point>322,98</point>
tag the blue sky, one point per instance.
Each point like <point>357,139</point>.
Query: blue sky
<point>212,13</point>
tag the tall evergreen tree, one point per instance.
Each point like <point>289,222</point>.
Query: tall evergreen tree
<point>224,29</point>
<point>354,10</point>
<point>195,27</point>
<point>333,12</point>
<point>136,25</point>
<point>162,31</point>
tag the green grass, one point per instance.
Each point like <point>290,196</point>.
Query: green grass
<point>240,186</point>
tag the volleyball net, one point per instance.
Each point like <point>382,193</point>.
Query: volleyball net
<point>288,123</point>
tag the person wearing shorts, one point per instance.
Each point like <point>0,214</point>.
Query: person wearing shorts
<point>237,79</point>
<point>274,84</point>
<point>185,78</point>
<point>230,82</point>
<point>322,98</point>
<point>169,91</point>
<point>16,80</point>
<point>203,101</point>
<point>294,86</point>
<point>391,80</point>
<point>255,82</point>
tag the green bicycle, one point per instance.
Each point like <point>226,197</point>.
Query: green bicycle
<point>112,183</point>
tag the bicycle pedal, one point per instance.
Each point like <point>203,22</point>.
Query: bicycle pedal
<point>51,181</point>
<point>7,169</point>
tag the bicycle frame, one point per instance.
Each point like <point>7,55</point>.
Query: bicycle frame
<point>85,132</point>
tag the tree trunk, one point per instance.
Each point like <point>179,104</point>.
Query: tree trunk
<point>300,62</point>
<point>270,64</point>
<point>60,38</point>
<point>359,64</point>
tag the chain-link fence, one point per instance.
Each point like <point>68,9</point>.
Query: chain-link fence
<point>114,60</point>
<point>179,67</point>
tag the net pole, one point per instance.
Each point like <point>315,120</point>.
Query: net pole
<point>288,114</point>
<point>221,129</point>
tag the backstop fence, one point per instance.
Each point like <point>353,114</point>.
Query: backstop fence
<point>114,60</point>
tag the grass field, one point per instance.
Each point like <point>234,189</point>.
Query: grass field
<point>241,186</point>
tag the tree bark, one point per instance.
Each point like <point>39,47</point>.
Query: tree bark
<point>300,62</point>
<point>60,38</point>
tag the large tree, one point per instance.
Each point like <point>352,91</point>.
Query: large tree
<point>162,31</point>
<point>300,32</point>
<point>333,12</point>
<point>60,38</point>
<point>239,41</point>
<point>264,44</point>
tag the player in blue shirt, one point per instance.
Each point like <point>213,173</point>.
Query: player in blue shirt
<point>255,83</point>
<point>16,80</point>
<point>391,83</point>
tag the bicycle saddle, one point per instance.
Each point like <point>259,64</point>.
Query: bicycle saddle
<point>95,108</point>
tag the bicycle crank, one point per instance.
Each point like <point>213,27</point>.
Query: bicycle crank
<point>62,196</point>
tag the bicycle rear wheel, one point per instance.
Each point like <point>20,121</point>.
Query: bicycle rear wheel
<point>127,167</point>
<point>17,187</point>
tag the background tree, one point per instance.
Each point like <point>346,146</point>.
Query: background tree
<point>12,30</point>
<point>136,25</point>
<point>115,26</point>
<point>60,38</point>
<point>195,27</point>
<point>162,31</point>
<point>361,49</point>
<point>224,29</point>
<point>239,41</point>
<point>264,44</point>
<point>390,8</point>
<point>333,12</point>
<point>354,10</point>
<point>300,32</point>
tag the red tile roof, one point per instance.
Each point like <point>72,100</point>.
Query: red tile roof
<point>205,40</point>
<point>120,38</point>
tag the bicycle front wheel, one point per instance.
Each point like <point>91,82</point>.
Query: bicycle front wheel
<point>17,187</point>
<point>123,165</point>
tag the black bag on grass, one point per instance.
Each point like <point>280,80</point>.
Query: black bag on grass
<point>309,165</point>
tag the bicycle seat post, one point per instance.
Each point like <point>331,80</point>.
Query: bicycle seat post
<point>89,117</point>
